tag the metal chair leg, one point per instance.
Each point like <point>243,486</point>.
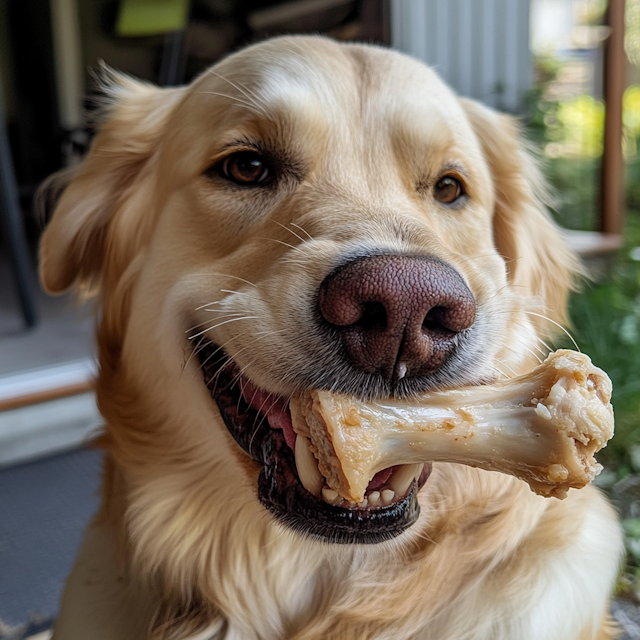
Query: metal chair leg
<point>12,227</point>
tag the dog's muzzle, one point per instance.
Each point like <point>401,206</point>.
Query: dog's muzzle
<point>261,425</point>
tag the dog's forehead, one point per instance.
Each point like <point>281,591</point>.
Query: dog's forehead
<point>321,80</point>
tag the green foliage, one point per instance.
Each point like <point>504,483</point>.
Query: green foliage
<point>606,325</point>
<point>632,31</point>
<point>605,315</point>
<point>633,186</point>
<point>575,183</point>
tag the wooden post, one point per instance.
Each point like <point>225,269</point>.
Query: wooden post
<point>612,172</point>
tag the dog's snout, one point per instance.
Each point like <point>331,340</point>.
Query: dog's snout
<point>397,315</point>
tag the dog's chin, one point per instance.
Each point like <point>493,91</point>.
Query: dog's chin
<point>261,425</point>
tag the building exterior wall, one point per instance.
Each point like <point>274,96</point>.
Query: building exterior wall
<point>480,47</point>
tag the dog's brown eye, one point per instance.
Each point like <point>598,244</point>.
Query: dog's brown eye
<point>246,168</point>
<point>447,190</point>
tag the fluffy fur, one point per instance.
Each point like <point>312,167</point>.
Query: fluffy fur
<point>361,134</point>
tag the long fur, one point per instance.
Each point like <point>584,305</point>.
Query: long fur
<point>155,239</point>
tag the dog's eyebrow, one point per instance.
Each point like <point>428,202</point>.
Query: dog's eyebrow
<point>238,143</point>
<point>456,167</point>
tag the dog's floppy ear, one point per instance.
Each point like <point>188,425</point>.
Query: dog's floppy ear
<point>99,194</point>
<point>539,262</point>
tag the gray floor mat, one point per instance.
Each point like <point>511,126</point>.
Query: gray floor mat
<point>44,509</point>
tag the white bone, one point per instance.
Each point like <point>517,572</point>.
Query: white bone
<point>543,427</point>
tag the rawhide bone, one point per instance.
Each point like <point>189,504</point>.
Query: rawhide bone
<point>543,427</point>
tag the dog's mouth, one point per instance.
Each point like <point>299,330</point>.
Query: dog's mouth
<point>261,424</point>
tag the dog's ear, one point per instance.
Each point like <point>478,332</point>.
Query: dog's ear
<point>105,190</point>
<point>540,264</point>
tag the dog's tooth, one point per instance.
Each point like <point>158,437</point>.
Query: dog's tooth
<point>364,504</point>
<point>330,495</point>
<point>419,471</point>
<point>308,471</point>
<point>402,478</point>
<point>387,496</point>
<point>374,498</point>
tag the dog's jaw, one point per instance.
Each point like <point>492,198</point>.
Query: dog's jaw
<point>260,423</point>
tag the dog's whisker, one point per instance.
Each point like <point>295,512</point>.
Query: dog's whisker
<point>245,91</point>
<point>194,351</point>
<point>504,364</point>
<point>257,427</point>
<point>289,230</point>
<point>243,103</point>
<point>470,258</point>
<point>223,323</point>
<point>534,344</point>
<point>495,366</point>
<point>557,324</point>
<point>216,375</point>
<point>208,274</point>
<point>293,224</point>
<point>238,377</point>
<point>258,335</point>
<point>203,343</point>
<point>210,320</point>
<point>302,263</point>
<point>546,346</point>
<point>239,293</point>
<point>535,355</point>
<point>208,304</point>
<point>497,293</point>
<point>286,244</point>
<point>540,349</point>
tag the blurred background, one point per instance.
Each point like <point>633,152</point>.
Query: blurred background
<point>570,69</point>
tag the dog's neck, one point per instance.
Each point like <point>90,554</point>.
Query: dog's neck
<point>243,569</point>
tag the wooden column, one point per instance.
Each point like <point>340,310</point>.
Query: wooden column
<point>612,172</point>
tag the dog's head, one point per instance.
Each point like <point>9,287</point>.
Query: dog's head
<point>306,214</point>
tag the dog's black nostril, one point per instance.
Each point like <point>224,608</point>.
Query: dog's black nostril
<point>374,316</point>
<point>436,321</point>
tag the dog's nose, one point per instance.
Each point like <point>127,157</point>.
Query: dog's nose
<point>397,315</point>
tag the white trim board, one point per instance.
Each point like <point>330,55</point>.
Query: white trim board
<point>46,428</point>
<point>47,379</point>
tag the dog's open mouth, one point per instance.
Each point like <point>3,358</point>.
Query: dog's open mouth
<point>261,424</point>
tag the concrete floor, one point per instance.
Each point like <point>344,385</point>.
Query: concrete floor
<point>62,339</point>
<point>45,507</point>
<point>64,333</point>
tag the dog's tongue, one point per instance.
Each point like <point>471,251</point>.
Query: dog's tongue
<point>279,417</point>
<point>380,479</point>
<point>273,407</point>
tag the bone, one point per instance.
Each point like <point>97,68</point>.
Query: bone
<point>543,427</point>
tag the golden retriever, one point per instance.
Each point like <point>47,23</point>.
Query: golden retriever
<point>309,214</point>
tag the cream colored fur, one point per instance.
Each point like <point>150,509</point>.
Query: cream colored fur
<point>144,227</point>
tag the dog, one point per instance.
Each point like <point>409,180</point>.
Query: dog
<point>310,214</point>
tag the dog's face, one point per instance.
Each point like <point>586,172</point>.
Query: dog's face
<point>305,215</point>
